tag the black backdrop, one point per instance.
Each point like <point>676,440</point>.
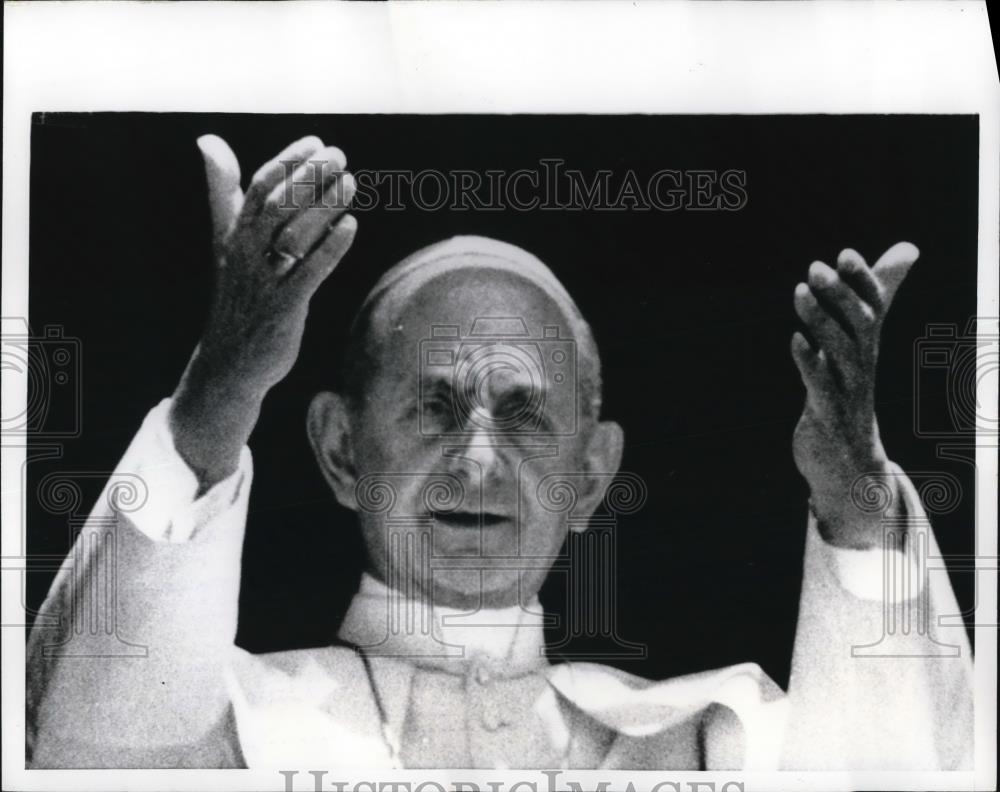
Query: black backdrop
<point>692,312</point>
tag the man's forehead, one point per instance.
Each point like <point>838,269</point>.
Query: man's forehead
<point>477,302</point>
<point>473,290</point>
<point>458,316</point>
<point>463,275</point>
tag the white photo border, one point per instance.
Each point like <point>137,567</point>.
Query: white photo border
<point>445,57</point>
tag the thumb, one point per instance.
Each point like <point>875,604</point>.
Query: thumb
<point>892,268</point>
<point>222,173</point>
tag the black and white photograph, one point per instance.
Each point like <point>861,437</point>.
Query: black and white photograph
<point>473,448</point>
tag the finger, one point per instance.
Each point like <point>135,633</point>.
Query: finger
<point>853,270</point>
<point>222,174</point>
<point>893,267</point>
<point>305,188</point>
<point>274,171</point>
<point>841,301</point>
<point>324,260</point>
<point>829,335</point>
<point>812,368</point>
<point>308,228</point>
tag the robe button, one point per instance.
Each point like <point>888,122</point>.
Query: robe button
<point>492,720</point>
<point>483,675</point>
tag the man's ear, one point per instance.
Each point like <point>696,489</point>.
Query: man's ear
<point>329,427</point>
<point>602,458</point>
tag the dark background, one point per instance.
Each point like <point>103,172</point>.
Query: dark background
<point>692,312</point>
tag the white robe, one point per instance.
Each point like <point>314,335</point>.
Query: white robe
<point>131,663</point>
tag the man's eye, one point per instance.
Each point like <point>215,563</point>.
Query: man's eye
<point>435,406</point>
<point>439,411</point>
<point>513,409</point>
<point>520,413</point>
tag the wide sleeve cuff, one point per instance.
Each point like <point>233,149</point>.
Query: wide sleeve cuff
<point>171,510</point>
<point>886,572</point>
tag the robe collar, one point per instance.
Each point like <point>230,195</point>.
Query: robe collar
<point>386,623</point>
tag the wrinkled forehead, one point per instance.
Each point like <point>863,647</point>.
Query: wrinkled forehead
<point>464,279</point>
<point>471,302</point>
<point>469,289</point>
<point>466,259</point>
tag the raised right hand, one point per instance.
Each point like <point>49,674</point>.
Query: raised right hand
<point>273,247</point>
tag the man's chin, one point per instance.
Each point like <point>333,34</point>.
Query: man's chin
<point>471,589</point>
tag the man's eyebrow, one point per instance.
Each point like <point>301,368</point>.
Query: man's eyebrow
<point>524,396</point>
<point>435,383</point>
<point>524,393</point>
<point>443,384</point>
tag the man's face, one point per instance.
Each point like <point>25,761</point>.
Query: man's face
<point>459,427</point>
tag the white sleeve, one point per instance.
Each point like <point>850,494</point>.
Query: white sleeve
<point>169,511</point>
<point>877,683</point>
<point>126,659</point>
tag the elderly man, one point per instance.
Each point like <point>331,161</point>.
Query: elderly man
<point>440,439</point>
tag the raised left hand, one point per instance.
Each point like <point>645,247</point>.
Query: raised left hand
<point>837,439</point>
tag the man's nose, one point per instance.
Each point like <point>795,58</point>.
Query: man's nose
<point>480,446</point>
<point>480,450</point>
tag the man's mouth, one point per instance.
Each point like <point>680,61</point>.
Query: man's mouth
<point>467,519</point>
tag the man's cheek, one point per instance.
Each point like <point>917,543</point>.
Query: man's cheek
<point>537,474</point>
<point>388,451</point>
<point>539,527</point>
